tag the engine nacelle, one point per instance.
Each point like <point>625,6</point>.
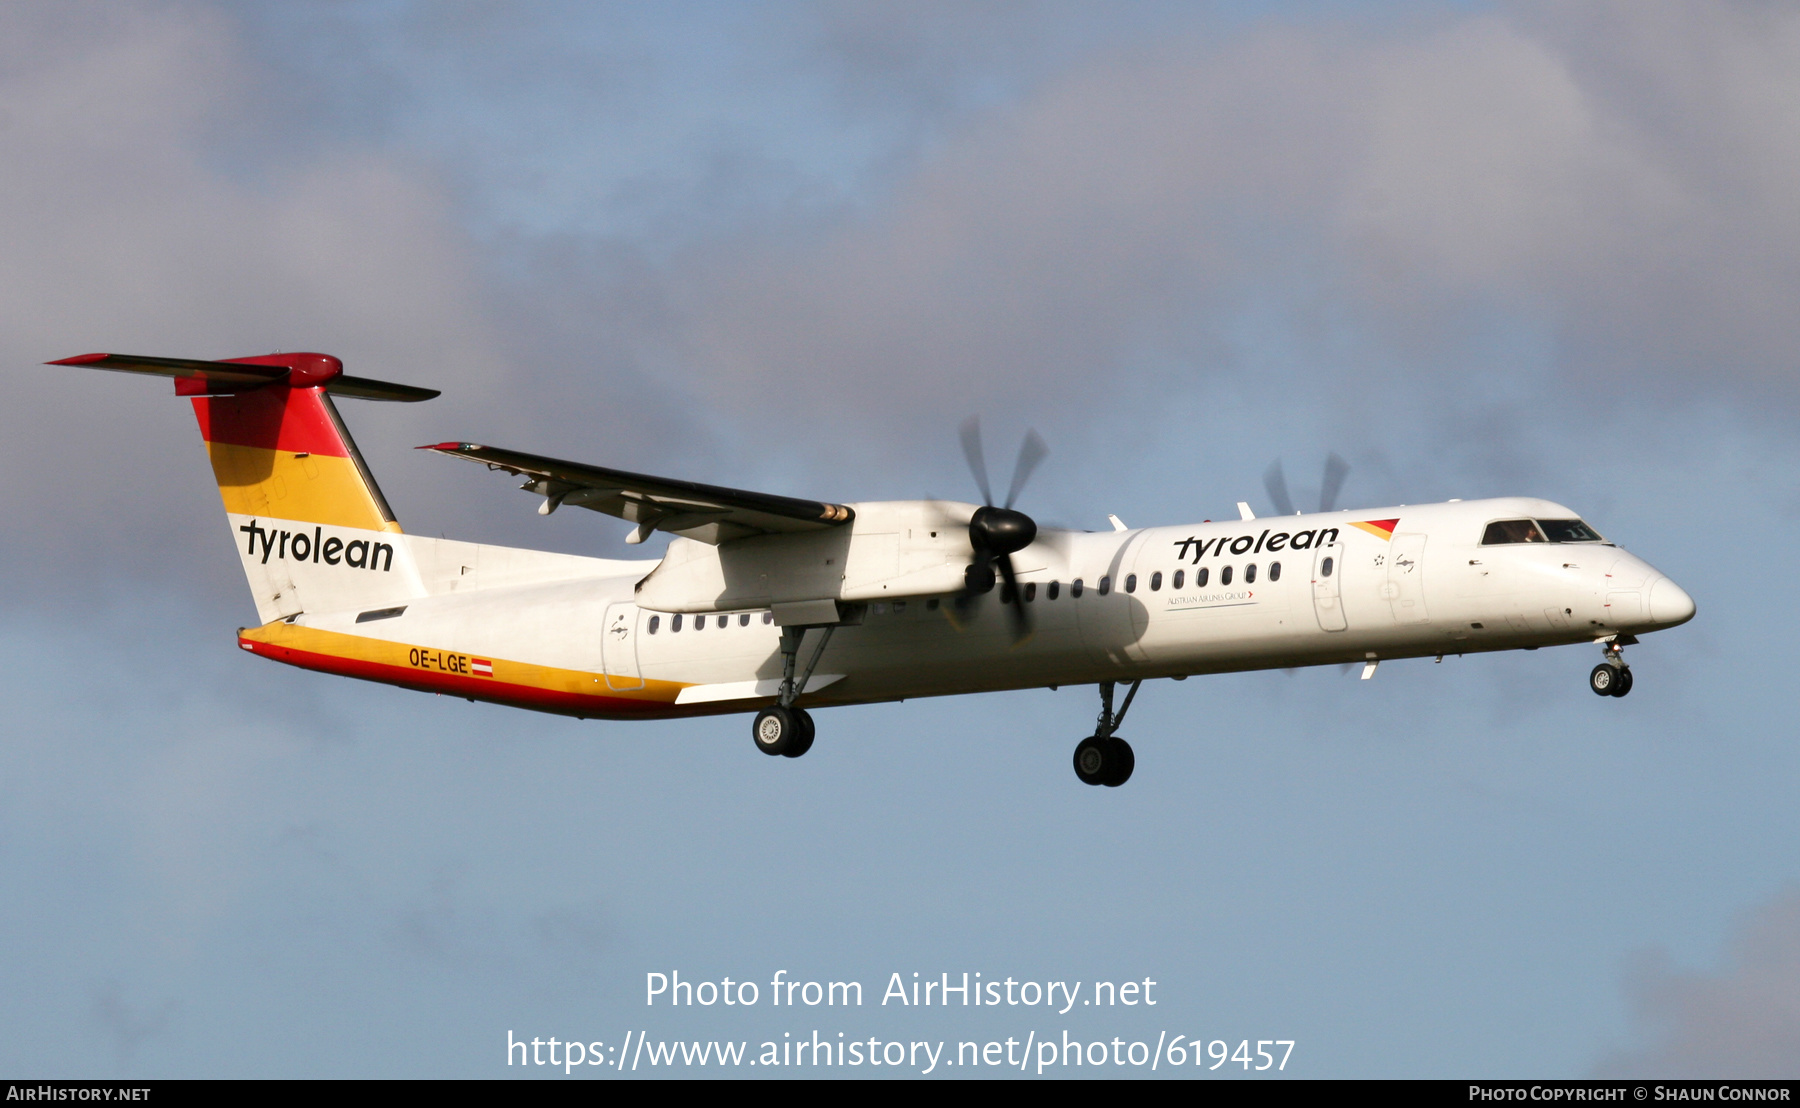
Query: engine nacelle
<point>892,549</point>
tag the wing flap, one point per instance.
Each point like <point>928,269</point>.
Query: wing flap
<point>709,513</point>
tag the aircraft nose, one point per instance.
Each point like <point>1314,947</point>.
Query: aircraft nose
<point>1669,603</point>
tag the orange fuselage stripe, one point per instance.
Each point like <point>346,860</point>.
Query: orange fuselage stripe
<point>433,669</point>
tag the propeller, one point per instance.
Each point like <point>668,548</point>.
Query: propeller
<point>997,533</point>
<point>1275,482</point>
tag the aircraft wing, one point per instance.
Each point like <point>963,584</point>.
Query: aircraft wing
<point>705,512</point>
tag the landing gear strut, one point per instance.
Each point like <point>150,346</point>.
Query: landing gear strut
<point>1103,758</point>
<point>781,728</point>
<point>1611,677</point>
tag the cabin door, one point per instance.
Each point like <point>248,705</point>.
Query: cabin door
<point>1405,589</point>
<point>1328,602</point>
<point>618,647</point>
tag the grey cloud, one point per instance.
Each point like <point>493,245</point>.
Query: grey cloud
<point>1740,1022</point>
<point>130,1025</point>
<point>1614,184</point>
<point>123,231</point>
<point>1626,194</point>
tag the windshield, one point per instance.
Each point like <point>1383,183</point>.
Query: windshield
<point>1568,530</point>
<point>1504,531</point>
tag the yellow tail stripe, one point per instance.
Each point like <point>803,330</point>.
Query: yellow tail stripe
<point>312,488</point>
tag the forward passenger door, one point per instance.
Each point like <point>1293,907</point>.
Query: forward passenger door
<point>1328,602</point>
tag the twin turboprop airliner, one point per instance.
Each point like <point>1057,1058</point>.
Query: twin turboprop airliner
<point>776,606</point>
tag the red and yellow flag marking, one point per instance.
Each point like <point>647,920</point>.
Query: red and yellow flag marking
<point>1382,529</point>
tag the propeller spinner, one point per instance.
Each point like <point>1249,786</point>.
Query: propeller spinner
<point>997,533</point>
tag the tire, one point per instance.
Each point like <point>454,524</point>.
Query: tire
<point>1094,758</point>
<point>1604,679</point>
<point>1622,683</point>
<point>1123,761</point>
<point>776,731</point>
<point>804,737</point>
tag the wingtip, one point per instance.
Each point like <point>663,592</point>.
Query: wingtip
<point>80,359</point>
<point>445,446</point>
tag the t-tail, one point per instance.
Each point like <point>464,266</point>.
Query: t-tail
<point>310,524</point>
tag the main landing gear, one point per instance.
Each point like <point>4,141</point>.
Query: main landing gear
<point>782,729</point>
<point>1611,677</point>
<point>1103,758</point>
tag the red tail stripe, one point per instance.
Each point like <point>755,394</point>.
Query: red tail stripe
<point>274,417</point>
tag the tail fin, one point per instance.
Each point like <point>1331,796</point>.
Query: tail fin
<point>311,526</point>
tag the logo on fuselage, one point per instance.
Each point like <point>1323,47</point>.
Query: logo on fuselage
<point>1265,542</point>
<point>299,546</point>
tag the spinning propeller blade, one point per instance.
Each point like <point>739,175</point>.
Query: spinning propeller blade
<point>1336,469</point>
<point>971,443</point>
<point>1275,483</point>
<point>1031,452</point>
<point>997,533</point>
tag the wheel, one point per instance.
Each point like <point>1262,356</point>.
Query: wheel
<point>1622,683</point>
<point>1122,762</point>
<point>804,736</point>
<point>776,730</point>
<point>1093,760</point>
<point>1605,680</point>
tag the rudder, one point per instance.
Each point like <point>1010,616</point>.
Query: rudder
<point>312,529</point>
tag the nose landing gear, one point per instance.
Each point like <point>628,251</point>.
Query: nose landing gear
<point>1611,677</point>
<point>1103,758</point>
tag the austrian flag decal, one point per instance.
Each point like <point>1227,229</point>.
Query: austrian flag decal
<point>1382,529</point>
<point>481,667</point>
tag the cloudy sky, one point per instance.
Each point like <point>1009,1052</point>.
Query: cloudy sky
<point>1477,249</point>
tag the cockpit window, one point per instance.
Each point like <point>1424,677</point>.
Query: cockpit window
<point>1504,531</point>
<point>1568,530</point>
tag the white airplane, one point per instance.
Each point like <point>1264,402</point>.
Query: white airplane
<point>774,605</point>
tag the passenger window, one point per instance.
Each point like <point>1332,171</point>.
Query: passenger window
<point>1325,568</point>
<point>1075,588</point>
<point>655,622</point>
<point>1225,576</point>
<point>1131,582</point>
<point>1274,571</point>
<point>1180,575</point>
<point>744,620</point>
<point>1250,574</point>
<point>1031,592</point>
<point>1504,531</point>
<point>1105,585</point>
<point>699,623</point>
<point>768,618</point>
<point>1050,593</point>
<point>1200,576</point>
<point>675,623</point>
<point>900,605</point>
<point>932,604</point>
<point>1156,581</point>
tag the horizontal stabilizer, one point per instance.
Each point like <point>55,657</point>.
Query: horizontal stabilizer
<point>194,377</point>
